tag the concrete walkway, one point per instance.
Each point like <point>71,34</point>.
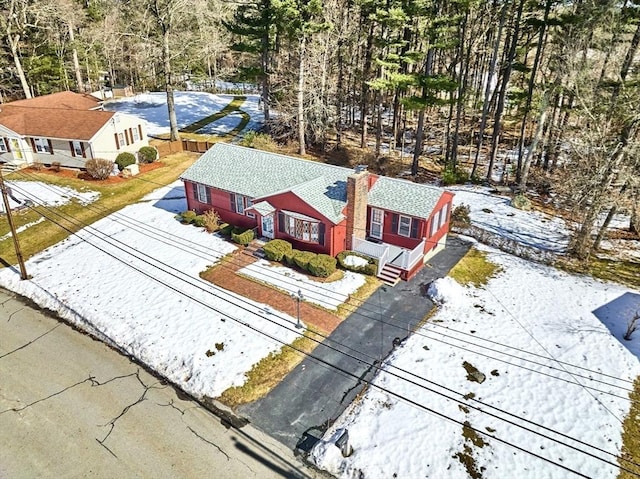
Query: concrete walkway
<point>314,394</point>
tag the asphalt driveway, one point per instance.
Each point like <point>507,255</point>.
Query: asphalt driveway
<point>314,394</point>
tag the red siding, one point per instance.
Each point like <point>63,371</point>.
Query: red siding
<point>290,202</point>
<point>432,241</point>
<point>221,202</point>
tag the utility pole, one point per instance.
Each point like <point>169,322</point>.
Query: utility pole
<point>7,208</point>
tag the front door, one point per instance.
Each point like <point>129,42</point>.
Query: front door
<point>377,223</point>
<point>267,226</point>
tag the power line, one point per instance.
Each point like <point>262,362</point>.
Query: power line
<point>161,237</point>
<point>341,352</point>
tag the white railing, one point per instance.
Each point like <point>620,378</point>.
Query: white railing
<point>375,250</point>
<point>410,258</point>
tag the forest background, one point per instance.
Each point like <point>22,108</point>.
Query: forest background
<point>542,95</point>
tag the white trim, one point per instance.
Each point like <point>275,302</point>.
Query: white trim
<point>408,235</point>
<point>201,193</point>
<point>379,223</point>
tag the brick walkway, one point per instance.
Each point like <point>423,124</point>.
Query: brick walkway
<point>224,275</point>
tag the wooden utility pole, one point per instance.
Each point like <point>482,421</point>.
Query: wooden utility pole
<point>7,208</point>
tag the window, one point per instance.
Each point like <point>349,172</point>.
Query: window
<point>121,140</point>
<point>404,227</point>
<point>240,204</point>
<point>302,229</point>
<point>41,145</point>
<point>3,145</point>
<point>443,214</point>
<point>136,134</point>
<point>77,148</point>
<point>377,217</point>
<point>434,224</point>
<point>201,193</point>
<point>247,204</point>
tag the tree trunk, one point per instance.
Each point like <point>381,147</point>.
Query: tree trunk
<point>365,88</point>
<point>13,41</point>
<point>534,144</point>
<point>532,81</point>
<point>503,91</point>
<point>579,244</point>
<point>168,84</point>
<point>417,151</point>
<point>76,62</point>
<point>301,126</point>
<point>487,91</point>
<point>265,77</point>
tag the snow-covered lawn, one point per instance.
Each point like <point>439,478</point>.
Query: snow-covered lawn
<point>495,214</point>
<point>551,350</point>
<point>47,194</point>
<point>222,126</point>
<point>328,295</point>
<point>184,328</point>
<point>191,106</point>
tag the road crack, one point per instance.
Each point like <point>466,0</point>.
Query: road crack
<point>208,442</point>
<point>30,342</point>
<point>112,423</point>
<point>90,379</point>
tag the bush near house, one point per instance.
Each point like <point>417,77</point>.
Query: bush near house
<point>187,217</point>
<point>99,168</point>
<point>147,154</point>
<point>242,236</point>
<point>290,255</point>
<point>371,268</point>
<point>125,159</point>
<point>275,249</point>
<point>226,229</point>
<point>211,221</point>
<point>322,265</point>
<point>460,215</point>
<point>199,221</point>
<point>302,259</point>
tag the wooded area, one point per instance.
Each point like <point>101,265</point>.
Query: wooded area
<point>525,92</point>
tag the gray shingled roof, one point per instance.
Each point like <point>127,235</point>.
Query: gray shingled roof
<point>404,197</point>
<point>259,174</point>
<point>263,207</point>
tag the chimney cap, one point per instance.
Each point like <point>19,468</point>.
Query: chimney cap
<point>361,168</point>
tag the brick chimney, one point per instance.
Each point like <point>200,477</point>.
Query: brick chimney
<point>357,190</point>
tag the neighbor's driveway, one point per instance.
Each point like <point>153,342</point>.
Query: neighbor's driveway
<point>298,409</point>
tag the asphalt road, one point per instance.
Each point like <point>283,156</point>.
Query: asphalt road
<point>72,407</point>
<point>316,392</point>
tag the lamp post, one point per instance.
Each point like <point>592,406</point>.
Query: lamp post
<point>298,297</point>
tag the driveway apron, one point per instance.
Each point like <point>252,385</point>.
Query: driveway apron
<point>317,391</point>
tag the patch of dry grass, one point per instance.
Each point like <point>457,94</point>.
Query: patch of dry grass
<point>474,269</point>
<point>268,373</point>
<point>631,435</point>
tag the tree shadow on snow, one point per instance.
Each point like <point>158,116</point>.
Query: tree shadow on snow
<point>617,314</point>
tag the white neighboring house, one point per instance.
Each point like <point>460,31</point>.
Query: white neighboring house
<point>65,127</point>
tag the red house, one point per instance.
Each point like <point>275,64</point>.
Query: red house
<point>322,208</point>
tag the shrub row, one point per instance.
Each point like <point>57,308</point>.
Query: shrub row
<point>371,268</point>
<point>242,236</point>
<point>320,265</point>
<point>211,221</point>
